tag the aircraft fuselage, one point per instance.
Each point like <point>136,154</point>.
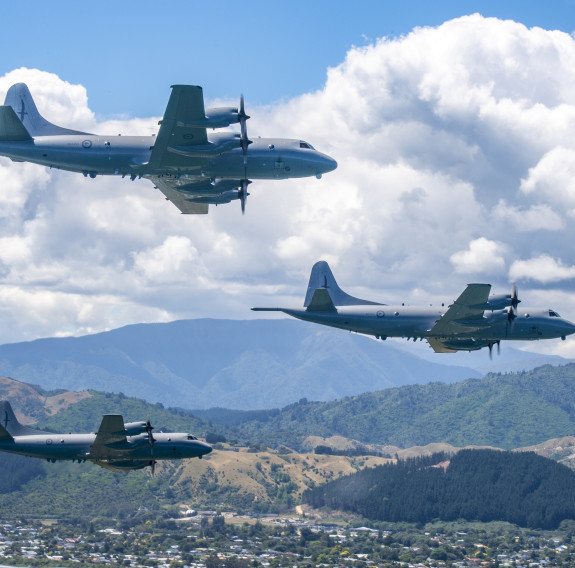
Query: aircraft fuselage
<point>402,321</point>
<point>55,447</point>
<point>267,158</point>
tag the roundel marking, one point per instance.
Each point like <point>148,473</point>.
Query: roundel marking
<point>87,144</point>
<point>380,313</point>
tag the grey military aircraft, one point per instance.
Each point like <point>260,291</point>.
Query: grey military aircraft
<point>475,320</point>
<point>192,169</point>
<point>116,446</point>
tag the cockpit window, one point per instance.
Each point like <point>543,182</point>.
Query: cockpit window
<point>303,144</point>
<point>191,437</point>
<point>553,314</point>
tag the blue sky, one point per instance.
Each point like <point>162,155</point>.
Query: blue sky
<point>454,139</point>
<point>127,53</point>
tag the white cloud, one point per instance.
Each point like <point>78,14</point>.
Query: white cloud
<point>175,260</point>
<point>455,157</point>
<point>553,177</point>
<point>542,268</point>
<point>481,257</point>
<point>535,218</point>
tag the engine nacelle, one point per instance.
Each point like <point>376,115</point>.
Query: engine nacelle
<point>222,117</point>
<point>134,428</point>
<point>498,302</point>
<point>215,118</point>
<point>466,344</point>
<point>210,188</point>
<point>220,199</point>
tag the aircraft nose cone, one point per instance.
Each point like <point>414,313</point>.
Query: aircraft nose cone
<point>330,165</point>
<point>205,449</point>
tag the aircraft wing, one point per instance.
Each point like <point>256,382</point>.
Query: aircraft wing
<point>185,107</point>
<point>110,433</point>
<point>465,315</point>
<point>169,187</point>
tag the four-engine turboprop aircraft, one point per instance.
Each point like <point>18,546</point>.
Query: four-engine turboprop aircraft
<point>116,446</point>
<point>473,321</point>
<point>189,167</point>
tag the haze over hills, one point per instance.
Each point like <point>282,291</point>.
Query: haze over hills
<point>204,363</point>
<point>236,364</point>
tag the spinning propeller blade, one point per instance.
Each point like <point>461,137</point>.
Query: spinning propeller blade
<point>151,441</point>
<point>245,142</point>
<point>244,194</point>
<point>512,310</point>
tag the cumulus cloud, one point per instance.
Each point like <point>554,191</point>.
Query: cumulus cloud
<point>481,257</point>
<point>455,155</point>
<point>537,217</point>
<point>542,268</point>
<point>553,177</point>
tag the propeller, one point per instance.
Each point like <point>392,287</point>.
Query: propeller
<point>151,441</point>
<point>149,429</point>
<point>244,142</point>
<point>244,194</point>
<point>512,310</point>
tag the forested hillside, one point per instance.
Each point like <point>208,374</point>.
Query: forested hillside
<point>505,411</point>
<point>476,485</point>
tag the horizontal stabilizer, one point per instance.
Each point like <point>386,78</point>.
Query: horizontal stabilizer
<point>11,128</point>
<point>321,301</point>
<point>5,435</point>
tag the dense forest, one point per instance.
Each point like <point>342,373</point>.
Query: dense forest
<point>477,485</point>
<point>502,410</point>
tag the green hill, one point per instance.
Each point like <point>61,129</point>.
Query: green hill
<point>505,411</point>
<point>477,485</point>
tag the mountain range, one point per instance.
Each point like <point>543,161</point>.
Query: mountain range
<point>236,364</point>
<point>511,409</point>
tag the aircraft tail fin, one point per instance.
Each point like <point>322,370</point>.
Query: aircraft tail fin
<point>10,423</point>
<point>323,293</point>
<point>20,99</point>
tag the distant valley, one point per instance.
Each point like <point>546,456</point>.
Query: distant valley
<point>253,364</point>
